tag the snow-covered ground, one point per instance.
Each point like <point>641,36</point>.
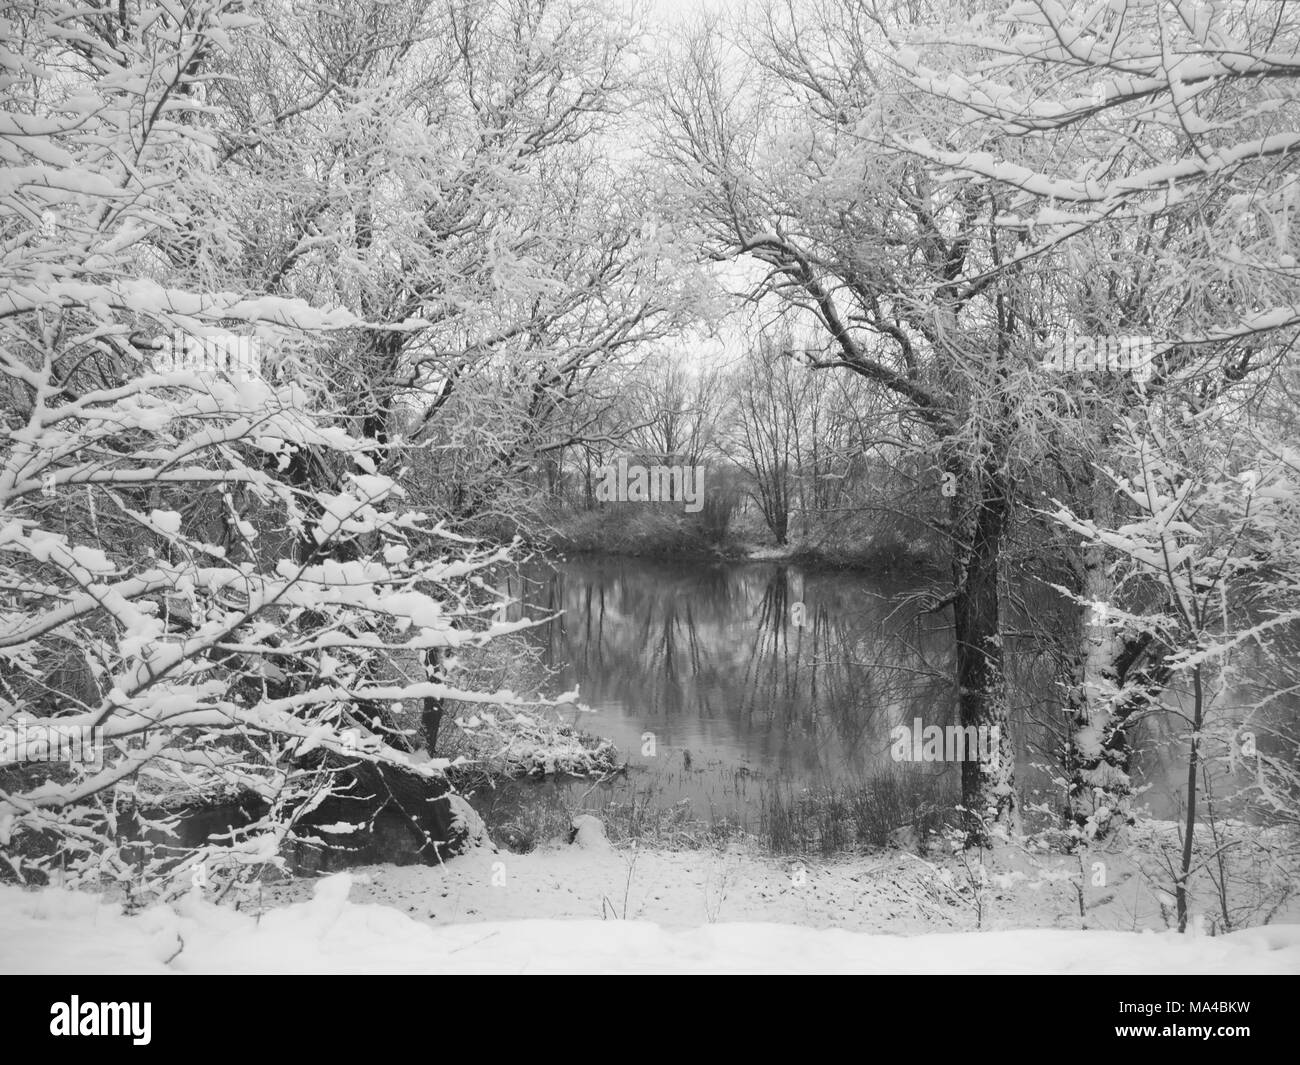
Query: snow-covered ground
<point>594,908</point>
<point>52,931</point>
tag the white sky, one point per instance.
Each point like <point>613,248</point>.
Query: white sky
<point>677,8</point>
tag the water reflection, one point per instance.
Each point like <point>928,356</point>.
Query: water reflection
<point>707,675</point>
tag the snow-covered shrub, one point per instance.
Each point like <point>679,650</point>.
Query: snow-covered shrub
<point>521,744</point>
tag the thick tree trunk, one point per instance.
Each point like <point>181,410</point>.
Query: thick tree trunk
<point>1103,690</point>
<point>1098,753</point>
<point>1096,757</point>
<point>988,783</point>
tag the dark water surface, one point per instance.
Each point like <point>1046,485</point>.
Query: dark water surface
<point>711,690</point>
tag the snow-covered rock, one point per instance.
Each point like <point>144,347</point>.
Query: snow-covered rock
<point>588,833</point>
<point>467,831</point>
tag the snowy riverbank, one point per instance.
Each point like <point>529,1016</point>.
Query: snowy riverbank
<point>59,932</point>
<point>593,908</point>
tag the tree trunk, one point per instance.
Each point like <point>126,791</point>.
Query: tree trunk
<point>432,708</point>
<point>988,784</point>
<point>1103,689</point>
<point>1193,766</point>
<point>1096,757</point>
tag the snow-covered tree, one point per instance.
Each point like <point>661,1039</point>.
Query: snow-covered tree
<point>1204,563</point>
<point>782,140</point>
<point>1163,188</point>
<point>456,165</point>
<point>214,623</point>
